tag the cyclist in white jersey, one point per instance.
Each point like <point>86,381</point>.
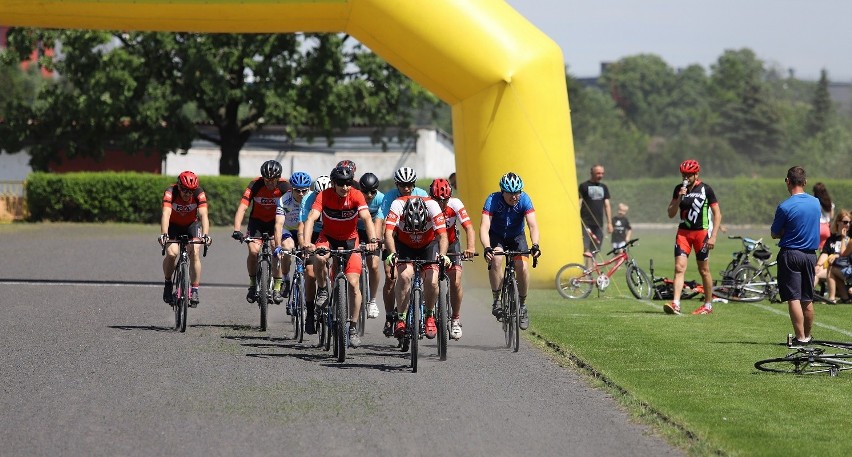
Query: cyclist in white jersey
<point>287,222</point>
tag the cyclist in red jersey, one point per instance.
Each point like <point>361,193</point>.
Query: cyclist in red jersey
<point>262,194</point>
<point>340,207</point>
<point>415,229</point>
<point>454,212</point>
<point>700,219</point>
<point>184,213</point>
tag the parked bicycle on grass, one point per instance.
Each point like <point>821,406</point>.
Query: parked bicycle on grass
<point>753,251</point>
<point>181,289</point>
<point>808,359</point>
<point>749,283</point>
<point>575,280</point>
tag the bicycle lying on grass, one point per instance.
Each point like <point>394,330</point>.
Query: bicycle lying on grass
<point>576,281</point>
<point>750,284</point>
<point>664,287</point>
<point>808,359</point>
<point>180,279</point>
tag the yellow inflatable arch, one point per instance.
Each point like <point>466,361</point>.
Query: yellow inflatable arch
<point>504,79</point>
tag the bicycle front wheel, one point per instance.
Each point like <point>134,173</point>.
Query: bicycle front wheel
<point>297,298</point>
<point>183,304</point>
<point>749,284</point>
<point>574,281</point>
<point>341,317</point>
<point>263,272</point>
<point>514,315</point>
<point>638,282</point>
<point>414,327</point>
<point>364,284</point>
<point>443,319</point>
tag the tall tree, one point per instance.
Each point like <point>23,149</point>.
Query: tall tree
<point>821,110</point>
<point>641,86</point>
<point>137,91</point>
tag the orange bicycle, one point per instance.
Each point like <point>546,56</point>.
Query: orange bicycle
<point>576,280</point>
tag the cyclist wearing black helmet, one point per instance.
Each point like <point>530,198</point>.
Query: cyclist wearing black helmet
<point>503,217</point>
<point>340,207</point>
<point>262,194</point>
<point>404,178</point>
<point>416,229</point>
<point>369,184</point>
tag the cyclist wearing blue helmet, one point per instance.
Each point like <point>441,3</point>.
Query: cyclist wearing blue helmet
<point>287,223</point>
<point>502,228</point>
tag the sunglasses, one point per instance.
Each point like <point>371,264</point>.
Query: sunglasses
<point>301,191</point>
<point>405,184</point>
<point>184,191</point>
<point>343,183</point>
<point>372,192</point>
<point>845,222</point>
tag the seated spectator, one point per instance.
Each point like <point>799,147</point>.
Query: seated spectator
<point>833,263</point>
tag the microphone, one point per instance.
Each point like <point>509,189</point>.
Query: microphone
<point>685,183</point>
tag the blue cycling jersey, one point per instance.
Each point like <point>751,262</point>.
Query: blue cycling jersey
<point>307,202</point>
<point>374,206</point>
<point>507,221</point>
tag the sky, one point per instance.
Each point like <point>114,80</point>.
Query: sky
<point>807,36</point>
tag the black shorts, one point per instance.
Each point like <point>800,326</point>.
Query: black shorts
<point>193,230</point>
<point>518,243</point>
<point>257,228</point>
<point>428,252</point>
<point>796,275</point>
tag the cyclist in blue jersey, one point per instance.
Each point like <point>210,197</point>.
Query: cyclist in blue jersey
<point>369,185</point>
<point>503,217</point>
<point>322,183</point>
<point>405,177</point>
<point>287,227</point>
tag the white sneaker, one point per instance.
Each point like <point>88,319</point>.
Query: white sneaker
<point>455,329</point>
<point>372,309</point>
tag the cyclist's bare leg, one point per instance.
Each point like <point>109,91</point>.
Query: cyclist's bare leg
<point>373,271</point>
<point>523,275</point>
<point>389,291</point>
<point>320,270</point>
<point>194,263</point>
<point>354,295</point>
<point>706,278</point>
<point>402,287</point>
<point>495,274</point>
<point>456,291</point>
<point>679,273</point>
<point>310,285</point>
<point>288,245</point>
<point>430,288</point>
<point>251,260</point>
<point>170,261</point>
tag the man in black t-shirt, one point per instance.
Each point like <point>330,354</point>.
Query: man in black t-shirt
<point>595,211</point>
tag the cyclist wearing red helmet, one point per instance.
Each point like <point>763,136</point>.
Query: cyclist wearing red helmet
<point>454,212</point>
<point>700,218</point>
<point>184,213</point>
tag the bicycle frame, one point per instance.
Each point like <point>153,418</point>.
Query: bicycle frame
<point>338,319</point>
<point>415,326</point>
<point>264,274</point>
<point>181,278</point>
<point>810,360</point>
<point>510,315</point>
<point>296,301</point>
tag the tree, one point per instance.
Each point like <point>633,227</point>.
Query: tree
<point>821,110</point>
<point>137,91</point>
<point>641,86</point>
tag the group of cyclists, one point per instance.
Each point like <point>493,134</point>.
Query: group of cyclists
<point>337,211</point>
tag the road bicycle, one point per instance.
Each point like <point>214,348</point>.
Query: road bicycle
<point>415,327</point>
<point>750,284</point>
<point>364,285</point>
<point>264,279</point>
<point>752,249</point>
<point>575,280</point>
<point>443,311</point>
<point>335,318</point>
<point>510,314</point>
<point>810,360</point>
<point>296,301</point>
<point>181,279</point>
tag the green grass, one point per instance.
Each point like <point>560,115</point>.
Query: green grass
<point>695,374</point>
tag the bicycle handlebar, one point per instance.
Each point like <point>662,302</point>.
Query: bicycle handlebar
<point>514,253</point>
<point>181,240</point>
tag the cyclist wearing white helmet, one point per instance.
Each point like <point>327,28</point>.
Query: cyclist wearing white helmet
<point>320,184</point>
<point>502,228</point>
<point>404,178</point>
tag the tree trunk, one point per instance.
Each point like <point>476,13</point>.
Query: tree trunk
<point>229,162</point>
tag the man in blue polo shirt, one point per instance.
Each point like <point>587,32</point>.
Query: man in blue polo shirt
<point>797,225</point>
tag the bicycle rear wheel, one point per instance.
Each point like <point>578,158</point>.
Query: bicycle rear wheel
<point>574,281</point>
<point>443,319</point>
<point>749,284</point>
<point>638,282</point>
<point>414,327</point>
<point>263,272</point>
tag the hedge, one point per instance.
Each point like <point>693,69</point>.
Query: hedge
<point>137,197</point>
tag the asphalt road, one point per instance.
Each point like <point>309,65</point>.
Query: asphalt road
<point>90,366</point>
